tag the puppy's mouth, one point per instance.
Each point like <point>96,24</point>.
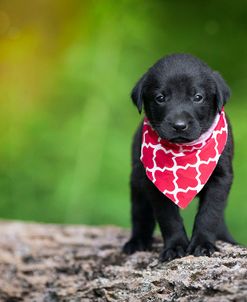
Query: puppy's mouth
<point>177,138</point>
<point>180,140</point>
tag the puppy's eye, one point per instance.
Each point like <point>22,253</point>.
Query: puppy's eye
<point>198,98</point>
<point>160,98</point>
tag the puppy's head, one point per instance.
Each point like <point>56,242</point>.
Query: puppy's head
<point>181,96</point>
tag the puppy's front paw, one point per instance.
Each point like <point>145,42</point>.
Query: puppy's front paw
<point>169,254</point>
<point>137,244</point>
<point>201,248</point>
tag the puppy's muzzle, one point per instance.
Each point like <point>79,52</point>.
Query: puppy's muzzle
<point>180,124</point>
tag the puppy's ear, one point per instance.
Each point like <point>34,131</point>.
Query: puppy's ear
<point>222,90</point>
<point>137,92</point>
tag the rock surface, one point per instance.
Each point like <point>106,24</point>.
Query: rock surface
<point>77,263</point>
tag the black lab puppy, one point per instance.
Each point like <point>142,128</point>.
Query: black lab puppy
<point>181,97</point>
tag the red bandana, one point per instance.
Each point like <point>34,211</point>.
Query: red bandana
<point>181,170</point>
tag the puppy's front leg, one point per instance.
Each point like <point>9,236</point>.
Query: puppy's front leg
<point>209,224</point>
<point>143,222</point>
<point>171,227</point>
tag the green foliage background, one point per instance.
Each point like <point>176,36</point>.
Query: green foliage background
<point>66,120</point>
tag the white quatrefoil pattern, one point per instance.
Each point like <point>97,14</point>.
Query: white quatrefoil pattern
<point>180,171</point>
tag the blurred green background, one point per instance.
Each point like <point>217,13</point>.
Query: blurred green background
<point>66,119</point>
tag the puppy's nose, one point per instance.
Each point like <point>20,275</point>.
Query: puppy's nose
<point>180,125</point>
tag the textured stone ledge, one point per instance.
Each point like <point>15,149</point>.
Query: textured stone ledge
<point>77,263</point>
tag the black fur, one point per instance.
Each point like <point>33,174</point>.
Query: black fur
<point>178,78</point>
